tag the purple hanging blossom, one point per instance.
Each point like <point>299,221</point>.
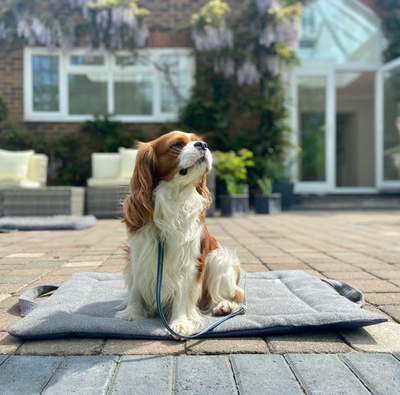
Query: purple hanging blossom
<point>267,36</point>
<point>212,38</point>
<point>82,4</point>
<point>225,66</point>
<point>264,5</point>
<point>272,64</point>
<point>289,33</point>
<point>248,74</point>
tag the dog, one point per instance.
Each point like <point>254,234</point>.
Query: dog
<point>168,202</point>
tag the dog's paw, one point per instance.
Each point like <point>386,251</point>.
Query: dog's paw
<point>129,315</point>
<point>183,327</point>
<point>225,307</point>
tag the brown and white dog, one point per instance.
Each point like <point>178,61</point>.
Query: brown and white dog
<point>168,201</point>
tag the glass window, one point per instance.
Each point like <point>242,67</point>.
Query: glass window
<point>132,60</point>
<point>175,82</point>
<point>86,60</point>
<point>45,83</point>
<point>392,125</point>
<point>339,31</point>
<point>87,93</point>
<point>133,94</point>
<point>311,123</point>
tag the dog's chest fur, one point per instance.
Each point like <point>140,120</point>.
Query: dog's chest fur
<point>176,221</point>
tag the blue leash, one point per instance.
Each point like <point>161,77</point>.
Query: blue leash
<point>160,266</point>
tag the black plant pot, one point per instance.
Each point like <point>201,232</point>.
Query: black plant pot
<point>286,191</point>
<point>234,206</point>
<point>268,204</point>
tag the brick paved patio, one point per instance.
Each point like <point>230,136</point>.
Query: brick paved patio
<point>362,249</point>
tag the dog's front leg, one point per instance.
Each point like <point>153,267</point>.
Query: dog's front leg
<point>186,318</point>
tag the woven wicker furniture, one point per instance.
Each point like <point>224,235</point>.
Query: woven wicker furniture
<point>105,202</point>
<point>42,201</point>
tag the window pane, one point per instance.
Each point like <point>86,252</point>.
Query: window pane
<point>338,31</point>
<point>45,82</point>
<point>392,126</point>
<point>133,94</point>
<point>175,82</point>
<point>87,93</point>
<point>133,60</point>
<point>86,60</point>
<point>311,124</point>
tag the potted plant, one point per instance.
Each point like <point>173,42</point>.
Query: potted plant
<point>267,202</point>
<point>279,172</point>
<point>232,169</point>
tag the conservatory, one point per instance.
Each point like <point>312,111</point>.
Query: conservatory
<point>345,103</point>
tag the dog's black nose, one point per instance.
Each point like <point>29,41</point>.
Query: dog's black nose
<point>200,145</point>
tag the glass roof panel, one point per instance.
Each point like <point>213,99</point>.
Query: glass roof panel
<point>339,31</point>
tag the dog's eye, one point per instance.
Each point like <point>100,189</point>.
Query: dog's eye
<point>177,145</point>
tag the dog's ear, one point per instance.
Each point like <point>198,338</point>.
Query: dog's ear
<point>138,206</point>
<point>203,191</point>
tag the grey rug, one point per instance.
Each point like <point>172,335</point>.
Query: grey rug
<point>278,302</point>
<point>56,222</point>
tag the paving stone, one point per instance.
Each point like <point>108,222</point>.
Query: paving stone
<point>227,346</point>
<point>143,347</point>
<point>83,375</point>
<point>204,375</point>
<point>336,266</point>
<point>374,285</point>
<point>82,264</point>
<point>383,337</point>
<point>8,344</point>
<point>253,268</point>
<point>264,374</point>
<point>387,274</point>
<point>10,288</point>
<point>3,358</point>
<point>307,343</point>
<point>22,278</point>
<point>4,297</point>
<point>287,266</point>
<point>346,276</point>
<point>25,255</point>
<point>88,258</point>
<point>143,375</point>
<point>380,373</point>
<point>383,298</point>
<point>396,282</point>
<point>393,311</point>
<point>27,375</point>
<point>7,320</point>
<point>324,374</point>
<point>62,347</point>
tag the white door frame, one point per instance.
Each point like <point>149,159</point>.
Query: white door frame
<point>330,133</point>
<point>380,125</point>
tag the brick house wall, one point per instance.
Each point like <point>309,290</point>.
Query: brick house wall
<point>165,21</point>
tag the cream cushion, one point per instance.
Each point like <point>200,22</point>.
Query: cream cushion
<point>38,168</point>
<point>19,183</point>
<point>128,161</point>
<point>14,164</point>
<point>105,165</point>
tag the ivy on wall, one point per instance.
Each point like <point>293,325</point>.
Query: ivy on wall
<point>389,11</point>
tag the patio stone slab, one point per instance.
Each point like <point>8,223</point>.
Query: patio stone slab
<point>71,346</point>
<point>27,375</point>
<point>346,276</point>
<point>324,374</point>
<point>227,346</point>
<point>326,343</point>
<point>383,299</point>
<point>365,367</point>
<point>146,375</point>
<point>387,274</point>
<point>393,311</point>
<point>264,374</point>
<point>214,377</point>
<point>7,320</point>
<point>83,375</point>
<point>383,337</point>
<point>374,285</point>
<point>3,358</point>
<point>8,344</point>
<point>4,297</point>
<point>143,347</point>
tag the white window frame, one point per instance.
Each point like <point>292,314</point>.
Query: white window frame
<point>108,68</point>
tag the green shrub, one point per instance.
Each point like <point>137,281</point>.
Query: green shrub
<point>232,168</point>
